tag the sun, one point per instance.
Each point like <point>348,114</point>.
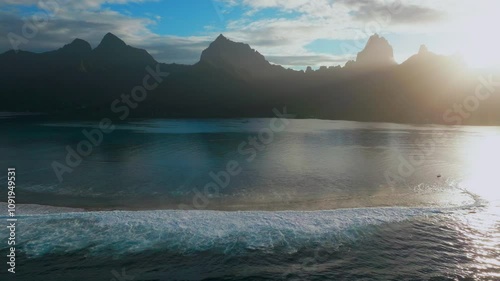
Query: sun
<point>477,39</point>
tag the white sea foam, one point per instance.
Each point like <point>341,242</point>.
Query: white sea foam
<point>190,126</point>
<point>34,209</point>
<point>123,232</point>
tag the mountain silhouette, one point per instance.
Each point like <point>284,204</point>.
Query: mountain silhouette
<point>111,41</point>
<point>233,80</point>
<point>378,53</point>
<point>78,48</point>
<point>235,58</point>
<point>112,52</point>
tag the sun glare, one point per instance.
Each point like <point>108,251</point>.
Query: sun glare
<point>481,174</point>
<point>476,41</point>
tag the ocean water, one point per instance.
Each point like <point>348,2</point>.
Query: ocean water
<point>241,200</point>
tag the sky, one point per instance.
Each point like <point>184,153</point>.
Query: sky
<point>293,33</point>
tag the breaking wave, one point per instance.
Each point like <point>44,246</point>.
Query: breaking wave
<point>125,232</point>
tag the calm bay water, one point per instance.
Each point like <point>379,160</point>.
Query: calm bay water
<point>319,200</point>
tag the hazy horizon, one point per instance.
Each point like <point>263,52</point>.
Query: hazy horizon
<point>458,57</point>
<point>295,34</point>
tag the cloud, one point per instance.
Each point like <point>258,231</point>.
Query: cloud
<point>402,14</point>
<point>70,22</point>
<point>282,36</point>
<point>68,4</point>
<point>364,10</point>
<point>182,50</point>
<point>53,35</point>
<point>301,22</point>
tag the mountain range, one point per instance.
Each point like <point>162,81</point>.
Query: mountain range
<point>233,80</point>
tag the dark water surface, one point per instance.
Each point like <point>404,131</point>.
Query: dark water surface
<point>319,200</point>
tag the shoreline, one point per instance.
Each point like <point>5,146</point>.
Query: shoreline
<point>466,199</point>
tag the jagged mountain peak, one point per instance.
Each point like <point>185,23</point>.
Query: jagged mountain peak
<point>111,41</point>
<point>423,50</point>
<point>377,52</point>
<point>234,56</point>
<point>223,42</point>
<point>77,46</point>
<point>222,38</point>
<point>112,51</point>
